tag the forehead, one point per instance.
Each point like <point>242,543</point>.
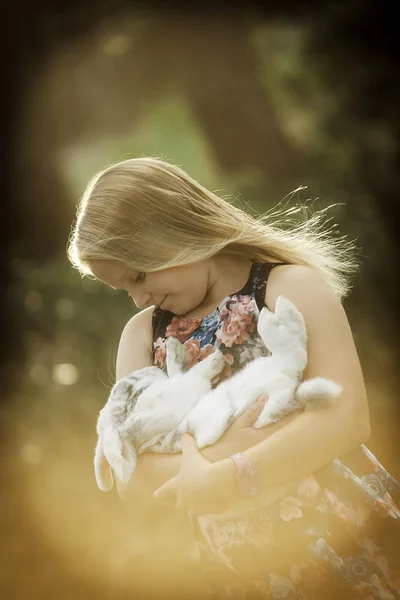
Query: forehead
<point>109,271</point>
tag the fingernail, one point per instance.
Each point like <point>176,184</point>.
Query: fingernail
<point>262,399</point>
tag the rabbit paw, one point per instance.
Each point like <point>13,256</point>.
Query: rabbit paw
<point>211,366</point>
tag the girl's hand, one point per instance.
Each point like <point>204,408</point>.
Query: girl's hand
<point>152,470</point>
<point>200,486</point>
<point>241,435</point>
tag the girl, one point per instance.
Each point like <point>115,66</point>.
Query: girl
<point>200,269</point>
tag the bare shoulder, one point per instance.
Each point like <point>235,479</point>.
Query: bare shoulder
<point>142,319</point>
<point>330,343</point>
<point>135,345</point>
<point>306,288</point>
<point>331,349</point>
<point>328,328</point>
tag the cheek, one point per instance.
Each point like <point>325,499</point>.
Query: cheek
<point>180,285</point>
<point>170,286</point>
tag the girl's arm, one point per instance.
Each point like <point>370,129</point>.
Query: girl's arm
<point>316,437</point>
<point>153,470</point>
<point>312,439</point>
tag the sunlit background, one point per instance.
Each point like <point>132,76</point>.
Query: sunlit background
<point>252,107</point>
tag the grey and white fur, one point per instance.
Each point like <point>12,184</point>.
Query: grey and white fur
<point>150,411</point>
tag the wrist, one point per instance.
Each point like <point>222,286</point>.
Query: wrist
<point>226,484</point>
<point>246,475</point>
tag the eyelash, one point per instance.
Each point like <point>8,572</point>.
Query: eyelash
<point>139,278</point>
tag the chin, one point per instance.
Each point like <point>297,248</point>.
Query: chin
<point>164,306</point>
<point>176,310</point>
<point>168,307</point>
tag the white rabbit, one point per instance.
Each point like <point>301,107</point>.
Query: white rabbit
<point>150,411</point>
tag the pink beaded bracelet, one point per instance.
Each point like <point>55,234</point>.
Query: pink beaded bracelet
<point>246,474</point>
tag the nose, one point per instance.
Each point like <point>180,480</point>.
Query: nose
<point>142,300</point>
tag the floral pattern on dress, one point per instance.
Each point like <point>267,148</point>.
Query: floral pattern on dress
<point>336,536</point>
<point>238,319</point>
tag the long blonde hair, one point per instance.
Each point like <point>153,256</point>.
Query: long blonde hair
<point>150,215</point>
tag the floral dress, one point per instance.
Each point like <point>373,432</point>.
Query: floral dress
<point>336,536</point>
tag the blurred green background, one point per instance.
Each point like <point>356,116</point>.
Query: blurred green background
<point>252,106</point>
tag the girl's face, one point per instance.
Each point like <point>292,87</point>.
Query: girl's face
<point>177,289</point>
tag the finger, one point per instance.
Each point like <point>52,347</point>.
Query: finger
<point>251,414</point>
<point>189,446</point>
<point>167,490</point>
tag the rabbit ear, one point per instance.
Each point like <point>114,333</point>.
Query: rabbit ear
<point>120,454</point>
<point>102,469</point>
<point>125,467</point>
<point>177,357</point>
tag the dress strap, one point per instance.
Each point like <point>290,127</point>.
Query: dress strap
<point>261,280</point>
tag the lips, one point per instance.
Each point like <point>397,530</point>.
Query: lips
<point>162,301</point>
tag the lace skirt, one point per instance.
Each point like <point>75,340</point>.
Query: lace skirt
<point>336,537</point>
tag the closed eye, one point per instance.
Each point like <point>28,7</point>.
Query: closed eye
<point>139,278</point>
